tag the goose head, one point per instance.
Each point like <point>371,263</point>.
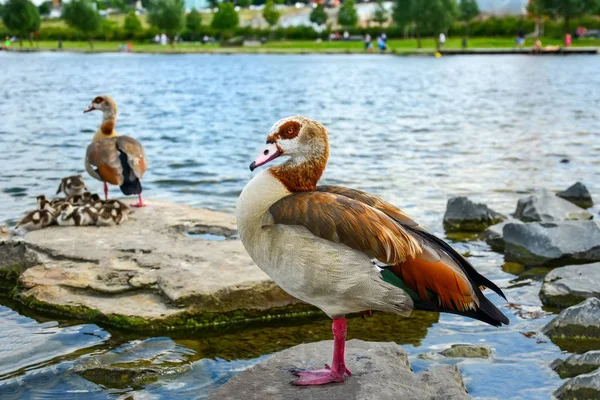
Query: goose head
<point>306,144</point>
<point>103,103</point>
<point>300,138</point>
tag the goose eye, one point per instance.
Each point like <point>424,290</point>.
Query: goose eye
<point>290,131</point>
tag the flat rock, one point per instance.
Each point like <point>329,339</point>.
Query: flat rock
<point>463,215</point>
<point>567,286</point>
<point>577,194</point>
<point>557,243</point>
<point>545,206</point>
<point>149,273</point>
<point>379,371</point>
<point>467,351</point>
<point>582,387</point>
<point>577,364</point>
<point>581,321</point>
<point>494,235</point>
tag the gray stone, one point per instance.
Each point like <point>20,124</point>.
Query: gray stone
<point>494,235</point>
<point>467,351</point>
<point>582,387</point>
<point>545,206</point>
<point>577,194</point>
<point>558,243</point>
<point>379,371</point>
<point>577,364</point>
<point>567,286</point>
<point>150,274</point>
<point>15,258</point>
<point>462,215</point>
<point>581,321</point>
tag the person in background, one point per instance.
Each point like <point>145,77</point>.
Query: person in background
<point>381,44</point>
<point>442,39</point>
<point>520,41</point>
<point>568,40</point>
<point>367,41</point>
<point>537,46</point>
<point>346,35</point>
<point>384,37</point>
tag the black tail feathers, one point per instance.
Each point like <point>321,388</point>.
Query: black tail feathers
<point>131,184</point>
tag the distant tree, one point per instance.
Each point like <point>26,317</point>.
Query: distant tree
<point>81,15</point>
<point>569,9</point>
<point>168,16</point>
<point>108,29</point>
<point>213,3</point>
<point>318,15</point>
<point>21,17</point>
<point>225,19</point>
<point>468,10</point>
<point>118,4</point>
<point>381,14</point>
<point>244,3</point>
<point>270,13</point>
<point>402,14</point>
<point>347,15</point>
<point>132,25</point>
<point>45,8</point>
<point>435,16</point>
<point>193,23</point>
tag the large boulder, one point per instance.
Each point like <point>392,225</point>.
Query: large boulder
<point>581,321</point>
<point>582,387</point>
<point>577,364</point>
<point>494,235</point>
<point>545,206</point>
<point>462,215</point>
<point>567,286</point>
<point>577,194</point>
<point>558,243</point>
<point>379,371</point>
<point>147,274</point>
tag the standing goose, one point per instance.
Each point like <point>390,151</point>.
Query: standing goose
<point>346,251</point>
<point>114,159</point>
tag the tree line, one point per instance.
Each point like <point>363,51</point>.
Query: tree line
<point>414,18</point>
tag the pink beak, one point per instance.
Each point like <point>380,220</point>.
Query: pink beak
<point>91,108</point>
<point>269,153</point>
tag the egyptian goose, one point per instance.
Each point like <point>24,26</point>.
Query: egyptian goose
<point>72,186</point>
<point>114,159</point>
<point>36,220</point>
<point>109,216</point>
<point>346,251</point>
<point>77,216</point>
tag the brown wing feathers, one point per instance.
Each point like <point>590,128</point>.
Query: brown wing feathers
<point>383,232</point>
<point>343,220</point>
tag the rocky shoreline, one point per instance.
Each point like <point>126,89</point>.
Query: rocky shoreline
<point>552,230</point>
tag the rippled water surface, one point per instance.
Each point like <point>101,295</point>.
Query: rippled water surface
<point>413,130</point>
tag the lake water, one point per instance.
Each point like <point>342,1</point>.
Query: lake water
<point>413,130</point>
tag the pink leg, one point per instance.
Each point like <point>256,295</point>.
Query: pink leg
<point>105,191</point>
<point>140,203</point>
<point>336,372</point>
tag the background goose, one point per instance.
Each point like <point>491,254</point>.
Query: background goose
<point>114,159</point>
<point>346,251</point>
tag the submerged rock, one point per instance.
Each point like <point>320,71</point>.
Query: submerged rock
<point>379,371</point>
<point>567,286</point>
<point>581,321</point>
<point>558,243</point>
<point>577,364</point>
<point>467,351</point>
<point>582,387</point>
<point>577,194</point>
<point>148,274</point>
<point>545,206</point>
<point>462,215</point>
<point>494,235</point>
